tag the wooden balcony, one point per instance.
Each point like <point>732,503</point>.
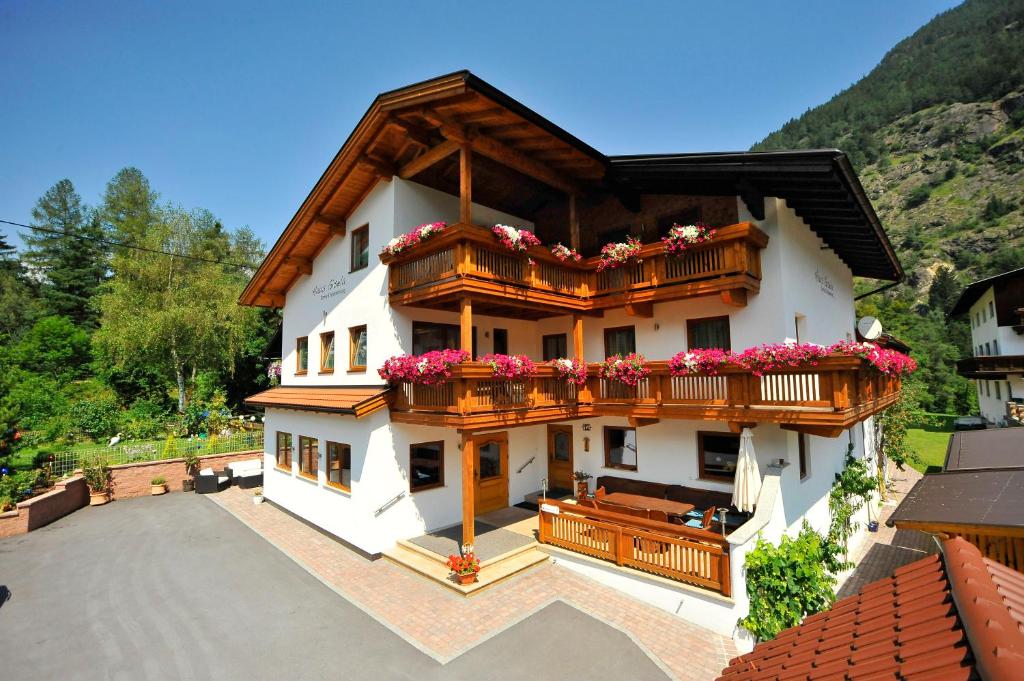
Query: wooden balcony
<point>466,261</point>
<point>824,399</point>
<point>693,556</point>
<point>991,367</point>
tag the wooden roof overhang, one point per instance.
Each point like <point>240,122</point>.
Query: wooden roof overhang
<point>819,185</point>
<point>355,401</point>
<point>521,161</point>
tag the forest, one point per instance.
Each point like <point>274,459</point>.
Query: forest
<point>121,319</point>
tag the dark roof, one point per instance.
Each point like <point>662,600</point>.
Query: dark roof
<point>357,401</point>
<point>958,616</point>
<point>820,185</point>
<point>976,289</point>
<point>992,498</point>
<point>980,449</point>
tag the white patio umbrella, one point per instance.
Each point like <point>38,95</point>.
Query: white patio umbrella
<point>747,483</point>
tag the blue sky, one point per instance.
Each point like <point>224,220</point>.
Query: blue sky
<point>238,106</point>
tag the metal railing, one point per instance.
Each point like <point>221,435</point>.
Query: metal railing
<point>65,461</point>
<point>389,503</point>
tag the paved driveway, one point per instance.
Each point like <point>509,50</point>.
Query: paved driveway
<point>174,587</point>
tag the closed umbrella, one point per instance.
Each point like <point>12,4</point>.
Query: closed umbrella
<point>747,484</point>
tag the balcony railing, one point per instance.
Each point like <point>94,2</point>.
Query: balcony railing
<point>466,259</point>
<point>835,393</point>
<point>676,552</point>
<point>990,366</point>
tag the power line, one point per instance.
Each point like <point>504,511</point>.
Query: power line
<point>120,244</point>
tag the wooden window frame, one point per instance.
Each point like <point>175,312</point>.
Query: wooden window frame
<point>613,329</point>
<point>607,451</point>
<point>691,323</point>
<point>353,331</point>
<point>494,340</point>
<point>803,456</point>
<point>419,324</point>
<point>324,354</point>
<point>357,233</point>
<point>299,370</point>
<point>304,443</point>
<point>327,465</point>
<point>289,449</point>
<point>700,456</point>
<point>440,463</point>
<point>564,337</point>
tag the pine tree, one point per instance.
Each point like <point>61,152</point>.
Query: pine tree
<point>67,257</point>
<point>944,291</point>
<point>19,299</point>
<point>129,209</point>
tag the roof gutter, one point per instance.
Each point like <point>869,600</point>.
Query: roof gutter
<point>880,288</point>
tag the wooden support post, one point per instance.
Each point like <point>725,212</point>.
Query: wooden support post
<point>465,184</point>
<point>468,488</point>
<point>577,337</point>
<point>574,223</point>
<point>466,325</point>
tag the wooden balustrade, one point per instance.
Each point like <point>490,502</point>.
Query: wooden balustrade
<point>689,555</point>
<point>833,394</point>
<point>467,257</point>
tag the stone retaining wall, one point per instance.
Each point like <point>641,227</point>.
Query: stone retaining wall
<point>133,479</point>
<point>66,496</point>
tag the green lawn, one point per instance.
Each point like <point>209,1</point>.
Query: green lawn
<point>929,446</point>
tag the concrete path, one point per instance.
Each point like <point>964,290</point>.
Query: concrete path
<point>174,587</point>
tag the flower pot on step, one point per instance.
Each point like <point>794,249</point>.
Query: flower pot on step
<point>188,485</point>
<point>466,579</point>
<point>257,500</point>
<point>582,489</point>
<point>157,490</point>
<point>98,498</point>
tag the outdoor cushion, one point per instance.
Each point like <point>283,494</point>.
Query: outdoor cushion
<point>694,523</point>
<point>613,484</point>
<point>206,471</point>
<point>238,467</point>
<point>250,473</point>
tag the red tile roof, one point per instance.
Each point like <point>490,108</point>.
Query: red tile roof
<point>958,616</point>
<point>356,400</point>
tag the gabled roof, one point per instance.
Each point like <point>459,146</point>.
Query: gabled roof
<point>977,289</point>
<point>405,128</point>
<point>958,616</point>
<point>357,401</point>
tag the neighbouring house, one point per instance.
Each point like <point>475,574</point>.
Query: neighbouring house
<point>979,495</point>
<point>995,309</point>
<point>375,462</point>
<point>955,615</point>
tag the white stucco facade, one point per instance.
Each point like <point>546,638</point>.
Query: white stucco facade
<point>806,293</point>
<point>990,339</point>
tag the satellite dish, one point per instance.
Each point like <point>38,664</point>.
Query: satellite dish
<point>869,328</point>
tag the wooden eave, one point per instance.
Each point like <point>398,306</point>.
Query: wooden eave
<point>355,401</point>
<point>399,127</point>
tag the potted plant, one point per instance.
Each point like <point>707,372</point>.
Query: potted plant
<point>582,487</point>
<point>158,485</point>
<point>465,567</point>
<point>257,495</point>
<point>191,469</point>
<point>97,477</point>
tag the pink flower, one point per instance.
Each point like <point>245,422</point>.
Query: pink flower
<point>680,237</point>
<point>889,362</point>
<point>510,367</point>
<point>618,254</point>
<point>409,239</point>
<point>629,370</point>
<point>514,238</point>
<point>430,368</point>
<point>570,370</point>
<point>699,361</point>
<point>761,359</point>
<point>564,253</point>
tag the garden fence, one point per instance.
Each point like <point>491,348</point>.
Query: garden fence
<point>64,462</point>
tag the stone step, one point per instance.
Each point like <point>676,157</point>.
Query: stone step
<point>491,572</point>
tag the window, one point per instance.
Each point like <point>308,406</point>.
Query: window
<point>620,448</point>
<point>988,388</point>
<point>709,332</point>
<point>360,247</point>
<point>802,447</point>
<point>1009,391</point>
<point>357,348</point>
<point>501,341</point>
<point>717,454</point>
<point>302,355</point>
<point>988,349</point>
<point>339,465</point>
<point>620,340</point>
<point>995,347</point>
<point>991,309</point>
<point>999,389</point>
<point>428,336</point>
<point>982,315</point>
<point>309,455</point>
<point>327,352</point>
<point>555,346</point>
<point>283,455</point>
<point>426,466</point>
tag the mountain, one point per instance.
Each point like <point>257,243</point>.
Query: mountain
<point>936,132</point>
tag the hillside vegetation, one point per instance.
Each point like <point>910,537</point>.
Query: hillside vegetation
<point>936,132</point>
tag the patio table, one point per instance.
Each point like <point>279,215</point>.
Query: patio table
<point>648,503</point>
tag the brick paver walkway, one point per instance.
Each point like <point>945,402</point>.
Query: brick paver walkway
<point>882,552</point>
<point>436,620</point>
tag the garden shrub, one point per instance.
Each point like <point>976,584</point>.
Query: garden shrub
<point>145,419</point>
<point>95,416</point>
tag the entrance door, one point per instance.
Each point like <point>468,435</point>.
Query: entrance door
<point>491,472</point>
<point>560,457</point>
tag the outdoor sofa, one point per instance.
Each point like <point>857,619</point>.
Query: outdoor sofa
<point>210,481</point>
<point>246,474</point>
<point>702,499</point>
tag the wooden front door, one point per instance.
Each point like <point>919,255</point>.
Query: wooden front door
<point>491,472</point>
<point>560,457</point>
